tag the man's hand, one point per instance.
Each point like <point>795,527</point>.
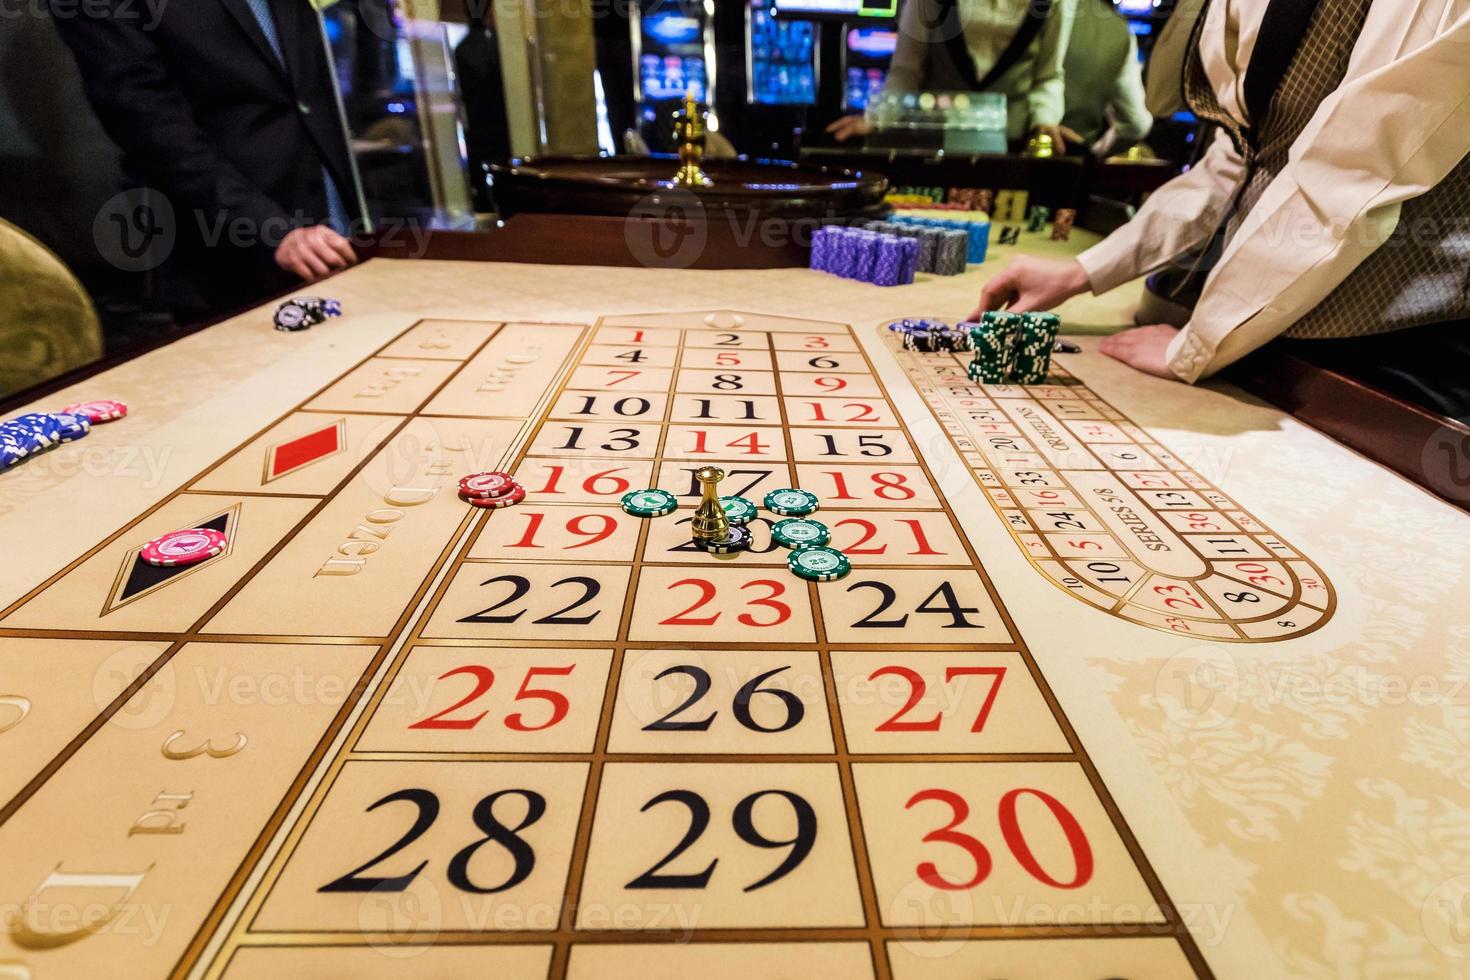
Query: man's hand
<point>1145,349</point>
<point>847,127</point>
<point>314,253</point>
<point>1029,285</point>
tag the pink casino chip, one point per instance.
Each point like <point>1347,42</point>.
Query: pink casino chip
<point>184,547</point>
<point>103,410</point>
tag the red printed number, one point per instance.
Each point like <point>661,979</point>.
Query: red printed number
<point>917,689</point>
<point>767,609</point>
<point>1010,829</point>
<point>592,528</point>
<point>484,680</point>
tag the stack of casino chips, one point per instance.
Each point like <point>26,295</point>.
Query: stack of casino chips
<point>491,491</point>
<point>305,312</point>
<point>976,239</point>
<point>1033,348</point>
<point>931,336</point>
<point>1013,348</point>
<point>994,341</point>
<point>27,436</point>
<point>865,255</point>
<point>1061,226</point>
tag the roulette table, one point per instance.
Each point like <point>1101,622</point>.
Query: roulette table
<point>1128,678</point>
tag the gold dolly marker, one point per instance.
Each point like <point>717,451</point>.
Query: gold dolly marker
<point>710,522</point>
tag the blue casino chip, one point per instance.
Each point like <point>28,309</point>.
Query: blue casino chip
<point>73,427</point>
<point>10,454</point>
<point>21,437</point>
<point>46,428</point>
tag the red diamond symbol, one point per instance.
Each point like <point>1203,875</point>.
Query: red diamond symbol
<point>288,457</point>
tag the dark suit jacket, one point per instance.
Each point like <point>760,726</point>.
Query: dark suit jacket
<point>482,90</point>
<point>206,115</point>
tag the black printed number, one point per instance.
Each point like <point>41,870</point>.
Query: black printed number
<point>941,602</point>
<point>750,690</point>
<point>743,820</point>
<point>520,586</point>
<point>485,820</point>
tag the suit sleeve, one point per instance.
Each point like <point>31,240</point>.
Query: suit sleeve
<point>1127,112</point>
<point>1379,140</point>
<point>1047,99</point>
<point>140,106</point>
<point>911,52</point>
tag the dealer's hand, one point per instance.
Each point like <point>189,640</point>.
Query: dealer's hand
<point>847,127</point>
<point>1143,348</point>
<point>1032,285</point>
<point>314,253</point>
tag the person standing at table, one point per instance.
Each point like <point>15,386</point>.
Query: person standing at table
<point>1329,209</point>
<point>482,91</point>
<point>226,108</point>
<point>1014,47</point>
<point>1105,110</point>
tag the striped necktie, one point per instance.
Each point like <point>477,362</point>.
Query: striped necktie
<point>336,209</point>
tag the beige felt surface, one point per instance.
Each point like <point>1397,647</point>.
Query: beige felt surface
<point>1303,804</point>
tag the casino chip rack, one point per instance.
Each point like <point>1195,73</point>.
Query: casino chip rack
<point>566,741</point>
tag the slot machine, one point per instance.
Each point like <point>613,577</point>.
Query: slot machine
<point>854,46</point>
<point>673,55</point>
<point>1145,18</point>
<point>765,111</point>
<point>867,53</point>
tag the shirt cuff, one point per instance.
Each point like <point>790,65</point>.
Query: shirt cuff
<point>1189,355</point>
<point>1108,264</point>
<point>1044,112</point>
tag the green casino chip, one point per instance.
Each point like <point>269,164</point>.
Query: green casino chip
<point>649,503</point>
<point>738,510</point>
<point>819,564</point>
<point>798,532</point>
<point>792,503</point>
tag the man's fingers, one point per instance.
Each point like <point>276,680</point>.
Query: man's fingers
<point>338,247</point>
<point>316,269</point>
<point>998,292</point>
<point>327,255</point>
<point>342,247</point>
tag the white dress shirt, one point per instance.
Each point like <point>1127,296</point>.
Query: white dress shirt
<point>1399,123</point>
<point>1035,87</point>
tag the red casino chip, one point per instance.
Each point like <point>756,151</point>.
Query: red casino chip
<point>184,547</point>
<point>105,410</point>
<point>484,485</point>
<point>505,500</point>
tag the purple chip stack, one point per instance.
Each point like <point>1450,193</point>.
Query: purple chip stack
<point>821,249</point>
<point>888,261</point>
<point>865,255</point>
<point>910,252</point>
